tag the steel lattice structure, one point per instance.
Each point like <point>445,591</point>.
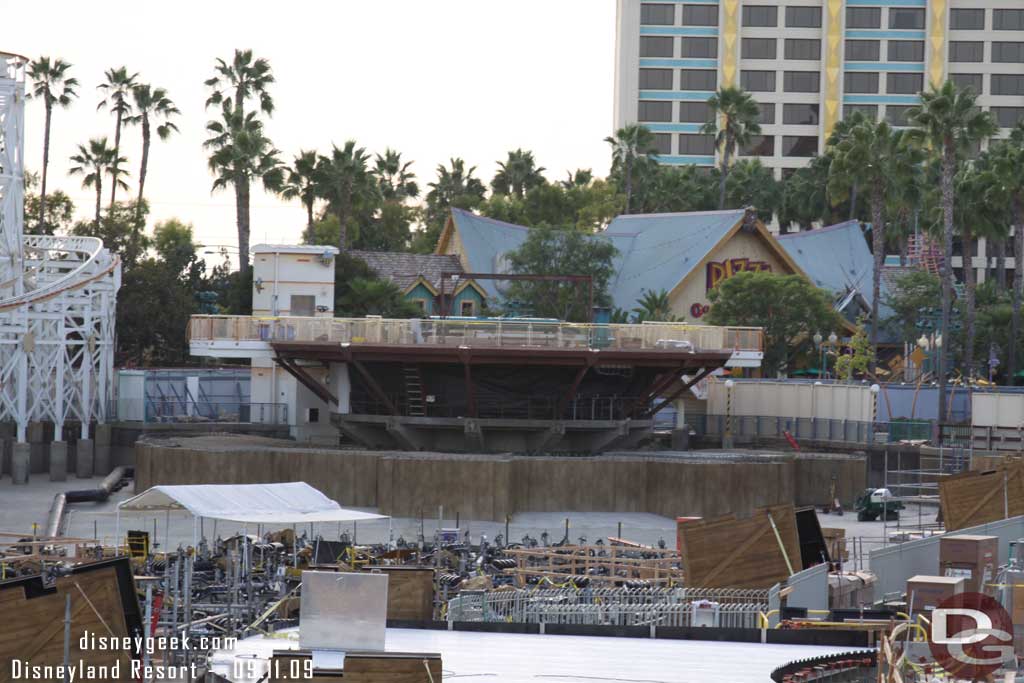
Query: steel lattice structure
<point>57,298</point>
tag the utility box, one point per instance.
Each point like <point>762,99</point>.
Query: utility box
<point>925,593</point>
<point>972,558</point>
<point>343,611</point>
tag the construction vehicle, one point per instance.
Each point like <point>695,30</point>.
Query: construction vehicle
<point>875,503</point>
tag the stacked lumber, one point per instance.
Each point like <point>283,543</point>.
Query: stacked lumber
<point>606,565</point>
<point>978,497</point>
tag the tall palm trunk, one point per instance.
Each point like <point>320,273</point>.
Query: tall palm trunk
<point>726,154</point>
<point>629,185</point>
<point>342,214</point>
<point>242,220</point>
<point>117,155</point>
<point>1000,245</point>
<point>878,247</point>
<point>971,285</point>
<point>1018,285</point>
<point>99,195</point>
<point>853,201</point>
<point>309,215</point>
<point>144,164</point>
<point>46,164</point>
<point>948,196</point>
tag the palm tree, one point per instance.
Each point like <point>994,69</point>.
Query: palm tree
<point>301,183</point>
<point>347,184</point>
<point>737,112</point>
<point>839,133</point>
<point>456,187</point>
<point>654,307</point>
<point>517,174</point>
<point>950,122</point>
<point>751,183</point>
<point>151,105</point>
<point>396,180</point>
<point>241,154</point>
<point>876,158</point>
<point>116,93</point>
<point>94,161</point>
<point>630,145</point>
<point>52,84</point>
<point>240,80</point>
<point>581,177</point>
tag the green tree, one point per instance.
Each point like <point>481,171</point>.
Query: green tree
<point>949,121</point>
<point>588,208</point>
<point>674,189</point>
<point>805,196</point>
<point>347,184</point>
<point>456,187</point>
<point>52,84</point>
<point>152,106</point>
<point>632,144</point>
<point>123,231</point>
<point>517,174</point>
<point>142,337</point>
<point>302,183</point>
<point>914,291</point>
<point>875,157</point>
<point>93,162</point>
<point>358,292</point>
<point>59,214</point>
<point>738,113</point>
<point>395,177</point>
<point>859,359</point>
<point>581,177</point>
<point>117,90</point>
<point>654,307</point>
<point>788,307</point>
<point>174,242</point>
<point>555,251</point>
<point>751,183</point>
<point>241,80</point>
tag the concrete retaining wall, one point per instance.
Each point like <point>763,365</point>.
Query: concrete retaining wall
<point>491,487</point>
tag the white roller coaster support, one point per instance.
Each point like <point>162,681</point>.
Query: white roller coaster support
<point>57,299</point>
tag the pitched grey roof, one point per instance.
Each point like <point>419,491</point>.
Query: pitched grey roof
<point>404,268</point>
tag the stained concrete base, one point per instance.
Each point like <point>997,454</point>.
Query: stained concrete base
<point>84,459</point>
<point>59,461</point>
<point>101,450</point>
<point>21,459</point>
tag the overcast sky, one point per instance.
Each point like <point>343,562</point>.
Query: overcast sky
<point>469,78</point>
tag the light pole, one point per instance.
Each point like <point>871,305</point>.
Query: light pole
<point>727,437</point>
<point>818,339</point>
<point>874,411</point>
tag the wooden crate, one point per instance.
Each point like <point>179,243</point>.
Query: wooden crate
<point>410,592</point>
<point>835,539</point>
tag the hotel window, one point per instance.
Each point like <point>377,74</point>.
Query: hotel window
<point>906,50</point>
<point>966,51</point>
<point>800,114</point>
<point>766,113</point>
<point>698,79</point>
<point>655,111</point>
<point>1008,53</point>
<point>758,48</point>
<point>761,16</point>
<point>657,14</point>
<point>863,50</point>
<point>694,112</point>
<point>698,48</point>
<point>1008,84</point>
<point>757,81</point>
<point>655,79</point>
<point>662,144</point>
<point>467,309</point>
<point>964,81</point>
<point>803,48</point>
<point>896,115</point>
<point>803,17</point>
<point>869,110</point>
<point>657,46</point>
<point>906,18</point>
<point>863,17</point>
<point>967,19</point>
<point>801,81</point>
<point>702,145</point>
<point>799,145</point>
<point>700,15</point>
<point>860,82</point>
<point>760,146</point>
<point>1007,117</point>
<point>904,84</point>
<point>1008,20</point>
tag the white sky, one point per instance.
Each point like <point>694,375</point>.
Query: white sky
<point>431,78</point>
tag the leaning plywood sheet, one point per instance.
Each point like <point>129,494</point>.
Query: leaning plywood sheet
<point>974,498</point>
<point>741,553</point>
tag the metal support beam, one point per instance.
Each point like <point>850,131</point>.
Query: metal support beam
<point>679,392</point>
<point>660,383</point>
<point>573,388</point>
<point>374,387</point>
<point>307,380</point>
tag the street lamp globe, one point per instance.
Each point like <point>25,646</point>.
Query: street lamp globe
<point>875,388</point>
<point>817,338</point>
<point>938,342</point>
<point>923,342</point>
<point>729,384</point>
<point>832,338</point>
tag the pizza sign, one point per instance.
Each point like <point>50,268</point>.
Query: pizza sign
<point>718,272</point>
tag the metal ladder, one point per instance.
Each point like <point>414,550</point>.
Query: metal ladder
<point>414,391</point>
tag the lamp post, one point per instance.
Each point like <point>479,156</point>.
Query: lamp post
<point>727,437</point>
<point>874,411</point>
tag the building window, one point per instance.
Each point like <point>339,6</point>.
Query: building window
<point>700,145</point>
<point>312,415</point>
<point>803,48</point>
<point>863,17</point>
<point>803,17</point>
<point>965,81</point>
<point>761,15</point>
<point>967,19</point>
<point>698,79</point>
<point>906,18</point>
<point>657,15</point>
<point>694,112</point>
<point>863,50</point>
<point>467,309</point>
<point>303,305</point>
<point>966,51</point>
<point>421,304</point>
<point>760,146</point>
<point>757,81</point>
<point>1008,84</point>
<point>1008,53</point>
<point>662,145</point>
<point>758,48</point>
<point>896,115</point>
<point>1007,117</point>
<point>698,48</point>
<point>700,15</point>
<point>860,82</point>
<point>1008,20</point>
<point>904,84</point>
<point>766,113</point>
<point>655,79</point>
<point>801,81</point>
<point>654,111</point>
<point>799,145</point>
<point>800,114</point>
<point>906,50</point>
<point>657,46</point>
<point>869,110</point>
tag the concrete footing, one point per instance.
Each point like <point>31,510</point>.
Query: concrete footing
<point>59,461</point>
<point>21,458</point>
<point>101,465</point>
<point>84,459</point>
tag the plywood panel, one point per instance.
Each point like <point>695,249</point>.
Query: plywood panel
<point>410,592</point>
<point>975,498</point>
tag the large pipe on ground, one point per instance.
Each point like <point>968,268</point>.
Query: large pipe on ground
<point>110,484</point>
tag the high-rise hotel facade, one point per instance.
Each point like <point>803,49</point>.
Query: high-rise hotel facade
<point>808,63</point>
